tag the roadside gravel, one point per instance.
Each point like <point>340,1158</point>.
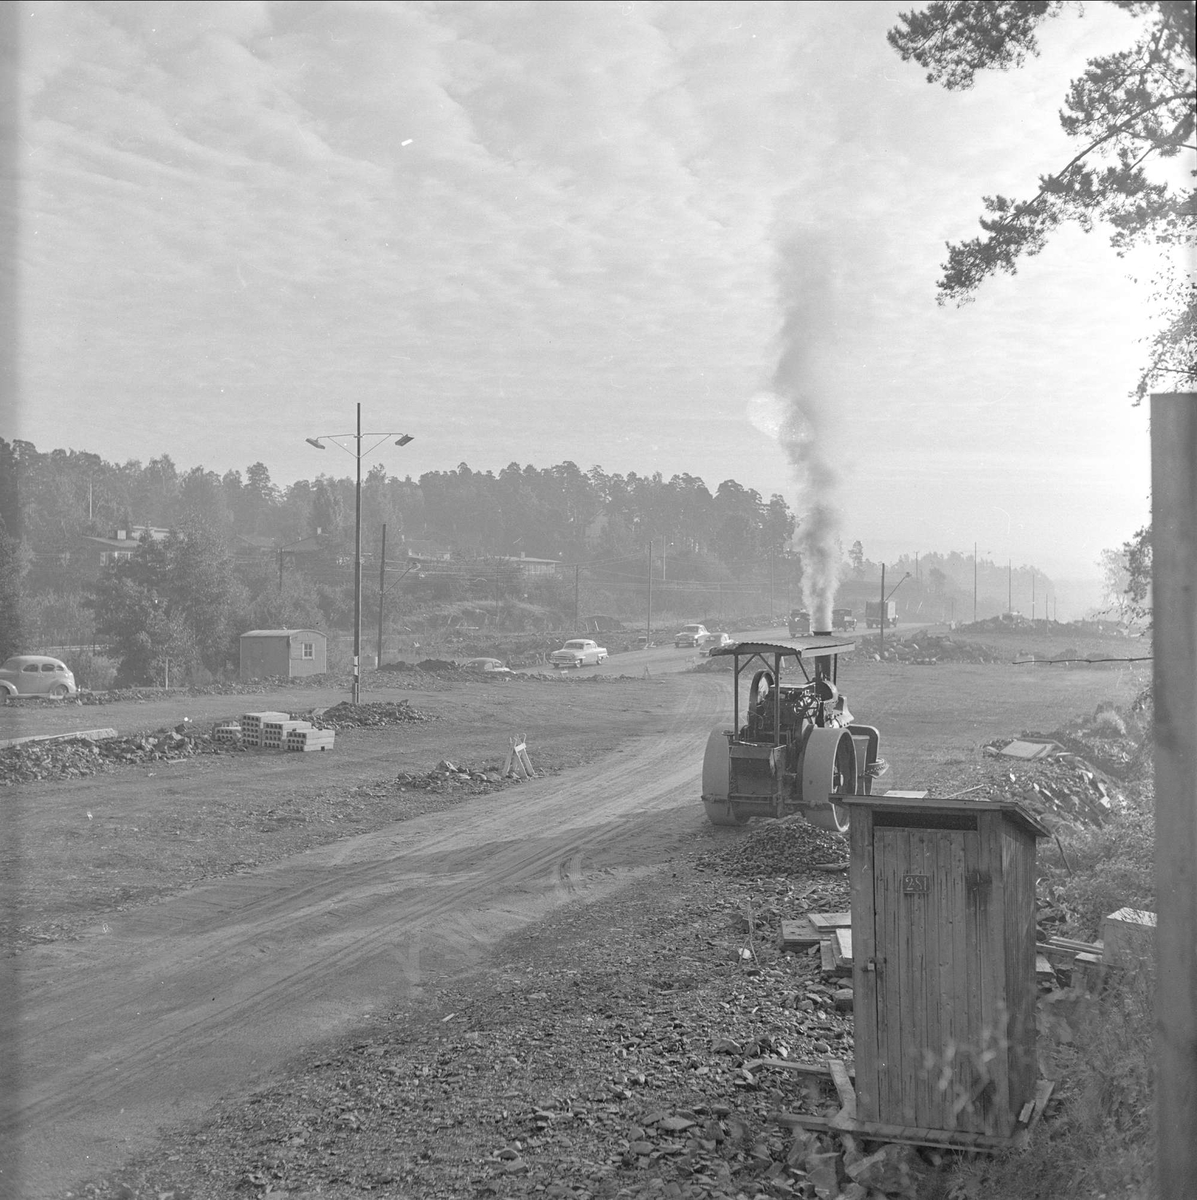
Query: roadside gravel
<point>606,1052</point>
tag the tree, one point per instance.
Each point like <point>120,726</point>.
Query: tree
<point>856,557</point>
<point>170,602</point>
<point>10,595</point>
<point>1126,112</point>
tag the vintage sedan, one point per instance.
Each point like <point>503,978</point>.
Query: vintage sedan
<point>578,652</point>
<point>690,635</point>
<point>714,641</point>
<point>36,675</point>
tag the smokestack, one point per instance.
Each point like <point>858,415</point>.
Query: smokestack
<point>823,661</point>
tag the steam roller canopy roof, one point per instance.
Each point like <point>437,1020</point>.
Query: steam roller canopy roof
<point>811,647</point>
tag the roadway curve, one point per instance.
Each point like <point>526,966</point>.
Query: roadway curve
<point>155,1015</point>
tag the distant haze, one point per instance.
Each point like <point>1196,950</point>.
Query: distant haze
<point>543,232</point>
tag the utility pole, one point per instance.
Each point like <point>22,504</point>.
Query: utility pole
<point>1032,593</point>
<point>382,583</point>
<point>772,555</point>
<point>648,627</point>
<point>1010,586</point>
<point>577,580</point>
<point>280,568</point>
<point>974,583</point>
<point>881,638</point>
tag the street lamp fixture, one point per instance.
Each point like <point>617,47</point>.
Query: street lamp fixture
<point>357,453</point>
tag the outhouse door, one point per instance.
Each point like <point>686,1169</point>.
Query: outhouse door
<point>936,973</point>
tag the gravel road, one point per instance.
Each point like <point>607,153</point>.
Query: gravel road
<point>154,1014</point>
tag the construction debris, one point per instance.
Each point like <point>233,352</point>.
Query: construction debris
<point>928,649</point>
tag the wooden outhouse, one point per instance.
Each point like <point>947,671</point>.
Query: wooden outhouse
<point>943,953</point>
<point>282,654</point>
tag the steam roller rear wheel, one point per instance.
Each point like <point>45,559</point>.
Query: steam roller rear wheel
<point>828,767</point>
<point>716,780</point>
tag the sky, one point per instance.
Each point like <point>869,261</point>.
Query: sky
<point>597,232</point>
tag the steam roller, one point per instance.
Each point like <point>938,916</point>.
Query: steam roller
<point>794,747</point>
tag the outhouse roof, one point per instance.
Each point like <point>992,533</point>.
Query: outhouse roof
<point>1018,812</point>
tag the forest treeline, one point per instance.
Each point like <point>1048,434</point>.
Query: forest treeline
<point>244,552</point>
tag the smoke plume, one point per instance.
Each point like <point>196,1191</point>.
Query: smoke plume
<point>803,386</point>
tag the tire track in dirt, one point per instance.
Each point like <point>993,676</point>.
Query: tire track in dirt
<point>192,999</point>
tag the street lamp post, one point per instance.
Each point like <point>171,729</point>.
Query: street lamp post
<point>358,454</point>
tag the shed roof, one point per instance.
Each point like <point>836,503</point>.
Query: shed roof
<point>278,632</point>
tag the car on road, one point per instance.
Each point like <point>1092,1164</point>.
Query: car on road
<point>843,619</point>
<point>690,635</point>
<point>36,675</point>
<point>713,641</point>
<point>578,652</point>
<point>799,623</point>
<point>486,666</point>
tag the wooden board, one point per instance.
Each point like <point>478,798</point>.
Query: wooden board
<point>798,933</point>
<point>843,947</point>
<point>948,1139</point>
<point>843,1085</point>
<point>825,921</point>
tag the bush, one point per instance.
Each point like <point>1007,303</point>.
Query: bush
<point>1112,866</point>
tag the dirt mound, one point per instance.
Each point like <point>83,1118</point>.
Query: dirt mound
<point>929,649</point>
<point>383,712</point>
<point>777,848</point>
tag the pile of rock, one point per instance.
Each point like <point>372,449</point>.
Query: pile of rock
<point>69,758</point>
<point>1060,786</point>
<point>777,848</point>
<point>929,649</point>
<point>449,777</point>
<point>356,716</point>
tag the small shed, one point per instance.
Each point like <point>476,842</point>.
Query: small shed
<point>282,654</point>
<point>943,952</point>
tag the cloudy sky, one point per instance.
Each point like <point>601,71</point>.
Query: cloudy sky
<point>543,231</point>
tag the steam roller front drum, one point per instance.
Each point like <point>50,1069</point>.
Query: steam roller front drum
<point>828,767</point>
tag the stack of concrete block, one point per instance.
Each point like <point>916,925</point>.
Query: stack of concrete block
<point>308,738</point>
<point>252,723</point>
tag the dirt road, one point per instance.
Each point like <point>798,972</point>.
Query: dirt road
<point>155,1014</point>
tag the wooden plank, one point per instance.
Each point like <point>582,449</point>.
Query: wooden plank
<point>843,946</point>
<point>969,1031</point>
<point>92,735</point>
<point>1174,647</point>
<point>957,972</point>
<point>797,1066</point>
<point>826,921</point>
<point>864,977</point>
<point>826,956</point>
<point>798,933</point>
<point>843,1085</point>
<point>994,1103</point>
<point>891,850</point>
<point>914,1135</point>
<point>1018,865</point>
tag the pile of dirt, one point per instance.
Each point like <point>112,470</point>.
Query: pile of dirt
<point>928,649</point>
<point>369,716</point>
<point>780,848</point>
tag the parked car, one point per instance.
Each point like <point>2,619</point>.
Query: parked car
<point>578,652</point>
<point>36,675</point>
<point>713,641</point>
<point>690,635</point>
<point>487,666</point>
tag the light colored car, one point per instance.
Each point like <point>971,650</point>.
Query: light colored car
<point>578,652</point>
<point>36,675</point>
<point>487,666</point>
<point>690,635</point>
<point>713,641</point>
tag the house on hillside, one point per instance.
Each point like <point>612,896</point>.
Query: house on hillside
<point>282,654</point>
<point>91,554</point>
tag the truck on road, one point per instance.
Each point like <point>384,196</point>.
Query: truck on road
<point>881,614</point>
